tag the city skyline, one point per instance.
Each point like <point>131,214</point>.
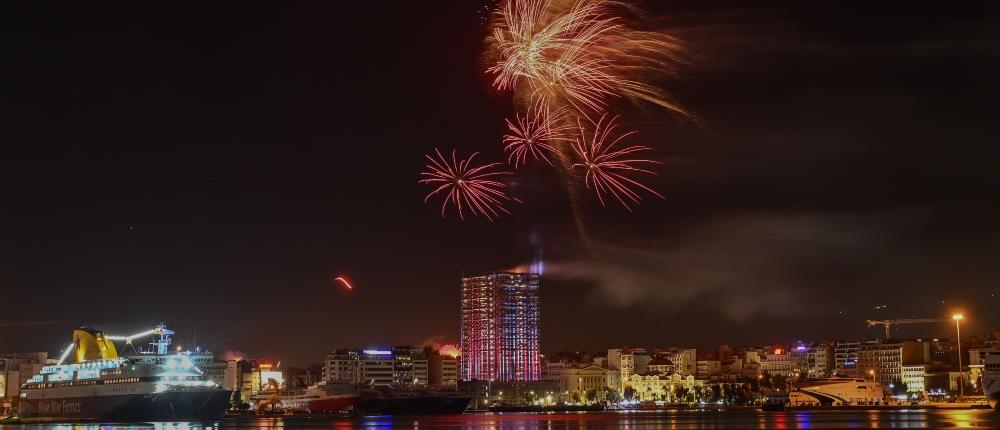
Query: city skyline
<point>218,171</point>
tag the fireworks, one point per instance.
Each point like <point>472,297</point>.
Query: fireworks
<point>566,62</point>
<point>606,165</point>
<point>534,133</point>
<point>467,187</point>
<point>577,52</point>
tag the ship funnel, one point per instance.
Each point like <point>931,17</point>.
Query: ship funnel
<point>93,345</point>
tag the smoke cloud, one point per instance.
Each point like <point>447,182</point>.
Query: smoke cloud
<point>773,264</point>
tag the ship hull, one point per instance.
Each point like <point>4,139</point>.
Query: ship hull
<point>419,405</point>
<point>192,405</point>
<point>331,405</point>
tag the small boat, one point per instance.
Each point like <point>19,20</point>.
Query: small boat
<point>320,398</point>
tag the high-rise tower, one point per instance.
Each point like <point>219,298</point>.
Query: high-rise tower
<point>500,327</point>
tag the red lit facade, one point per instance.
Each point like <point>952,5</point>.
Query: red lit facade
<point>500,333</point>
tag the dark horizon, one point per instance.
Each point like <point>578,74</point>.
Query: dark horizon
<point>215,169</point>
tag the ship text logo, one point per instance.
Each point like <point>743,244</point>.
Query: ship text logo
<point>60,407</point>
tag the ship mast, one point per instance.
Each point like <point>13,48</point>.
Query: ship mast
<point>163,339</point>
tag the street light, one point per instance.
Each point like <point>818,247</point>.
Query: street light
<point>958,338</point>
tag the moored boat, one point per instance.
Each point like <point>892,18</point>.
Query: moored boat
<point>412,402</point>
<point>97,384</point>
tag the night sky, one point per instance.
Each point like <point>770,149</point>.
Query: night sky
<point>215,168</point>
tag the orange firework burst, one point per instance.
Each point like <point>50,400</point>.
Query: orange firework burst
<point>607,165</point>
<point>577,52</point>
<point>467,187</point>
<point>534,133</point>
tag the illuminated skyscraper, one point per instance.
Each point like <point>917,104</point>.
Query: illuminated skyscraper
<point>500,327</point>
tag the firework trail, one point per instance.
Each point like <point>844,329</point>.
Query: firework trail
<point>467,187</point>
<point>606,165</point>
<point>536,133</point>
<point>579,53</point>
<point>343,281</point>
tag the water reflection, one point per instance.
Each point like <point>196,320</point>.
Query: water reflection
<point>633,420</point>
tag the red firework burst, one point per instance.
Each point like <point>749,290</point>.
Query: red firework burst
<point>606,166</point>
<point>534,134</point>
<point>465,186</point>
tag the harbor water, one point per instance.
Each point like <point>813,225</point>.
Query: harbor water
<point>688,419</point>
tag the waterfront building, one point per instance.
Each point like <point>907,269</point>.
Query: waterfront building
<point>378,367</point>
<point>708,369</point>
<point>686,359</point>
<point>248,381</point>
<point>943,351</point>
<point>614,360</point>
<point>342,365</point>
<point>820,361</point>
<point>752,357</point>
<point>634,361</point>
<point>442,369</point>
<point>977,362</point>
<point>577,383</point>
<point>846,358</point>
<point>409,366</point>
<point>887,357</point>
<point>15,370</point>
<point>653,386</point>
<point>614,380</point>
<point>977,356</point>
<point>780,361</point>
<point>943,381</point>
<point>914,376</point>
<point>732,369</point>
<point>222,372</point>
<point>500,327</point>
<point>661,364</point>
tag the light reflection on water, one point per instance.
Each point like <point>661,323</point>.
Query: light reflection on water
<point>636,420</point>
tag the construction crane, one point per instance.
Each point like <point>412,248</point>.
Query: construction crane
<point>890,323</point>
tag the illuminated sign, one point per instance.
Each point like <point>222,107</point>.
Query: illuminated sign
<point>377,352</point>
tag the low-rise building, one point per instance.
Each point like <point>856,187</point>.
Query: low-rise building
<point>377,367</point>
<point>943,382</point>
<point>15,370</point>
<point>652,387</point>
<point>686,359</point>
<point>884,360</point>
<point>846,358</point>
<point>820,361</point>
<point>442,369</point>
<point>708,369</point>
<point>577,383</point>
<point>779,361</point>
<point>661,364</point>
<point>222,372</point>
<point>914,375</point>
